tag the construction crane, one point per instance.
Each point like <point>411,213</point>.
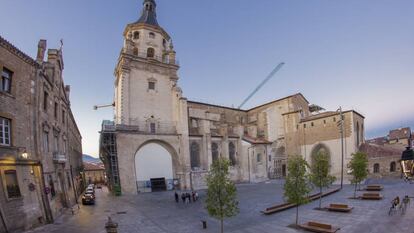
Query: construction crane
<point>274,71</point>
<point>103,106</point>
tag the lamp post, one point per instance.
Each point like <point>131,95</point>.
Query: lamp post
<point>341,125</point>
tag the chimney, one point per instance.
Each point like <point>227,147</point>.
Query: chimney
<point>41,49</point>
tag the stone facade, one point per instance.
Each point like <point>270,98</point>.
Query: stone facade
<point>383,161</point>
<point>150,109</point>
<point>24,167</point>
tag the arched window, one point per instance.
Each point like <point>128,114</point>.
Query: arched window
<point>214,151</point>
<point>151,35</point>
<point>392,166</point>
<point>136,35</point>
<point>195,155</point>
<point>232,153</point>
<point>150,52</point>
<point>376,168</point>
<point>135,51</point>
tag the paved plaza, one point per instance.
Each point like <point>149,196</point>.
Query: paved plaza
<point>158,213</point>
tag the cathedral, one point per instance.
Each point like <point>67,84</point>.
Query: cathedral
<point>160,140</point>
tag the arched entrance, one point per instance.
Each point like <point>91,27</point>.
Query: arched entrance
<point>320,148</point>
<point>154,167</point>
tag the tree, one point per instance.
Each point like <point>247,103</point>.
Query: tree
<point>319,176</point>
<point>221,199</point>
<point>358,166</point>
<point>296,185</point>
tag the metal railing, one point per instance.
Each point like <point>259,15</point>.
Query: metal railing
<point>148,127</point>
<point>164,59</point>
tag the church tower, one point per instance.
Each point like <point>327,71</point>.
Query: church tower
<point>150,113</point>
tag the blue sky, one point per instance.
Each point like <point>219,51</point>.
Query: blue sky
<point>358,54</point>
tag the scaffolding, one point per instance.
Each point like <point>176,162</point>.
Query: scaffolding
<point>108,154</point>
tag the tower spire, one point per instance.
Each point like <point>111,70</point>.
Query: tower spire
<point>149,14</point>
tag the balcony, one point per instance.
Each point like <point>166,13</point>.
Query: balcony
<point>59,158</point>
<point>152,57</point>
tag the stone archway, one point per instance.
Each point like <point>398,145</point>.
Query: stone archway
<point>156,163</point>
<point>320,148</point>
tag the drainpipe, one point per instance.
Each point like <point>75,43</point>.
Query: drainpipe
<point>267,159</point>
<point>73,185</point>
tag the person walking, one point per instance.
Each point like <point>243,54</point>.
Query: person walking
<point>183,197</point>
<point>193,196</point>
<point>177,199</point>
<point>196,195</point>
<point>189,197</point>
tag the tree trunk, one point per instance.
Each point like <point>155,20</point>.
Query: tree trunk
<point>355,190</point>
<point>222,227</point>
<point>297,214</point>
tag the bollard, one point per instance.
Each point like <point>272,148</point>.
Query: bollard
<point>111,227</point>
<point>204,224</point>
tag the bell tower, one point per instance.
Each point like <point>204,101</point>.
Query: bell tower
<point>146,90</point>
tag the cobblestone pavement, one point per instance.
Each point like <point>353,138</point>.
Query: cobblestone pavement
<point>158,213</point>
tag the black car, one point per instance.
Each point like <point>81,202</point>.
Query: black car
<point>88,199</point>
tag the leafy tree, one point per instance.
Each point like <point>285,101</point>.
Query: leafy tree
<point>319,176</point>
<point>221,199</point>
<point>358,166</point>
<point>296,185</point>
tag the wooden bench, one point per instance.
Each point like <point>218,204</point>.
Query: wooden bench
<point>339,208</point>
<point>374,187</point>
<point>319,227</point>
<point>371,196</point>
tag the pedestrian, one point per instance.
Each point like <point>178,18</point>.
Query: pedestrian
<point>196,195</point>
<point>189,197</point>
<point>183,197</point>
<point>177,199</point>
<point>193,196</point>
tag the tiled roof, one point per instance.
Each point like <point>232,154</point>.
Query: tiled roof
<point>13,49</point>
<point>400,133</point>
<point>378,141</point>
<point>374,151</point>
<point>320,115</point>
<point>93,166</point>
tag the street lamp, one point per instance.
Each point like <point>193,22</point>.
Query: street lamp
<point>407,163</point>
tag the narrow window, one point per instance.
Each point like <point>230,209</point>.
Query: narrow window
<point>232,153</point>
<point>152,127</point>
<point>6,76</point>
<point>45,99</point>
<point>12,185</point>
<point>68,176</point>
<point>392,167</point>
<point>64,146</point>
<point>150,52</point>
<point>195,155</point>
<point>56,145</point>
<point>151,35</point>
<point>214,151</point>
<point>63,116</point>
<point>312,124</point>
<point>45,141</point>
<point>5,131</point>
<point>135,51</point>
<point>136,35</point>
<point>376,168</point>
<point>334,119</point>
<point>56,110</point>
<point>304,126</point>
<point>259,158</point>
<point>164,43</point>
<point>151,85</point>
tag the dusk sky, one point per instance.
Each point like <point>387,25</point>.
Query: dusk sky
<point>355,54</point>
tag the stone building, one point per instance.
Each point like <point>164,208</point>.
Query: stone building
<point>160,140</point>
<point>400,138</point>
<point>94,173</point>
<point>383,161</point>
<point>25,165</point>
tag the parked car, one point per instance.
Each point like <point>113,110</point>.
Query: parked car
<point>88,199</point>
<point>90,191</point>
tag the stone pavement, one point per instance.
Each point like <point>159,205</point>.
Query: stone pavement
<point>158,213</point>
